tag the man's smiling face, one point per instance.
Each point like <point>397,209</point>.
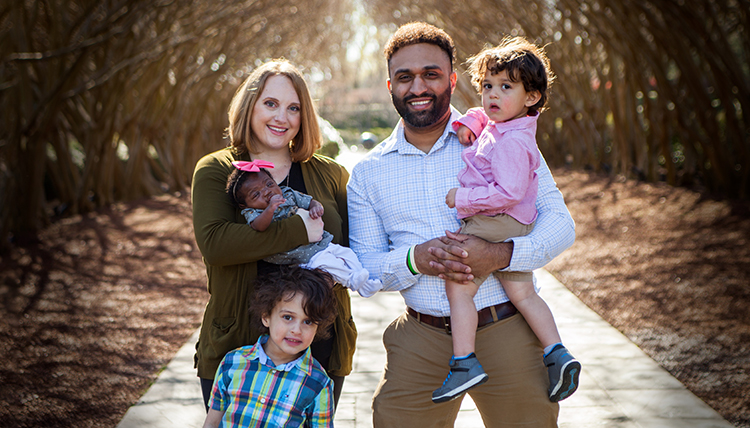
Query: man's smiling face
<point>421,83</point>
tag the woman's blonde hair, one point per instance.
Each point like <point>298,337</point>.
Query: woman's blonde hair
<point>240,132</point>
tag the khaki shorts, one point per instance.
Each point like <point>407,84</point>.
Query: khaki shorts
<point>498,228</point>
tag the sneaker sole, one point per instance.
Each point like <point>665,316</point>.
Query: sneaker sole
<point>452,395</point>
<point>568,382</point>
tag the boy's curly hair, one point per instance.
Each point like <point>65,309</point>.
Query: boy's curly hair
<point>319,302</point>
<point>524,62</point>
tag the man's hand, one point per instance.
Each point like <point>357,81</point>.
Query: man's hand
<point>465,136</point>
<point>481,257</point>
<point>430,264</point>
<point>314,226</point>
<point>450,198</point>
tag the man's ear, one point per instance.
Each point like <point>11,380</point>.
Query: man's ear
<point>532,98</point>
<point>454,79</point>
<point>388,83</point>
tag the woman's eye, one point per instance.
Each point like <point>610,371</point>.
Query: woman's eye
<point>270,104</point>
<point>295,109</point>
<point>309,322</point>
<point>287,317</point>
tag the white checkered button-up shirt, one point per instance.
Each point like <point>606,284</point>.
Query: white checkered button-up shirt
<point>396,199</point>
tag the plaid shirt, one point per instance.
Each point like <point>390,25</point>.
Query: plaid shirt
<point>255,393</point>
<point>396,199</point>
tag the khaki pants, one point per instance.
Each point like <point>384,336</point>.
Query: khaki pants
<point>417,362</point>
<point>497,229</point>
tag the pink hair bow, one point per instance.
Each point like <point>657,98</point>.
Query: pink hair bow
<point>253,166</point>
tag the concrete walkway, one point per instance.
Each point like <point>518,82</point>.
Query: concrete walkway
<point>620,386</point>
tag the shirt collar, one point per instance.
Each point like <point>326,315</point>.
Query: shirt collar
<point>304,362</point>
<point>397,140</point>
<point>520,123</point>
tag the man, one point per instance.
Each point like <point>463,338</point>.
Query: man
<point>398,218</point>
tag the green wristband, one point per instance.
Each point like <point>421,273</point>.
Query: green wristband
<point>410,261</point>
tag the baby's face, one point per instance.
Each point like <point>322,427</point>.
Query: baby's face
<point>256,191</point>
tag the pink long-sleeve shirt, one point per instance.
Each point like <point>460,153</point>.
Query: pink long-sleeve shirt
<point>499,176</point>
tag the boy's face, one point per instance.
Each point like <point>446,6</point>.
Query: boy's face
<point>504,100</point>
<point>290,330</point>
<point>257,190</point>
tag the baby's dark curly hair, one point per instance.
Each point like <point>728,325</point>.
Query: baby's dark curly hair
<point>314,284</point>
<point>235,181</point>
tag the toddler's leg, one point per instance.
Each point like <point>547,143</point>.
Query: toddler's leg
<point>463,316</point>
<point>534,309</point>
<point>562,368</point>
<point>465,370</point>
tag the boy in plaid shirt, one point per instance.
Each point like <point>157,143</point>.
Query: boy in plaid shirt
<point>277,382</point>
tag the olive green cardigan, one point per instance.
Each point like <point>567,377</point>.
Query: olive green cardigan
<point>231,248</point>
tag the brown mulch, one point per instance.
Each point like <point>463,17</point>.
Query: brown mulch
<point>105,300</point>
<point>671,270</point>
<point>100,303</point>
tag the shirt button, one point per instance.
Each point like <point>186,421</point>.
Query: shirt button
<point>263,400</point>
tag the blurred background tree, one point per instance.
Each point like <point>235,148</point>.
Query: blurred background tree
<point>117,99</point>
<point>654,90</point>
<point>112,100</point>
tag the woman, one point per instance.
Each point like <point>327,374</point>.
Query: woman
<point>272,118</point>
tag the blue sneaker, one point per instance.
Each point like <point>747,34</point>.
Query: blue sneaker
<point>465,374</point>
<point>563,372</point>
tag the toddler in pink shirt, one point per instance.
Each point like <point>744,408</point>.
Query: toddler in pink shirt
<point>496,201</point>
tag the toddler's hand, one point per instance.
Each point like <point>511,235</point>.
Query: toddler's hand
<point>316,209</point>
<point>465,136</point>
<point>450,198</point>
<point>314,226</point>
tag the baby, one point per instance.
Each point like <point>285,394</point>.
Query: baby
<point>262,201</point>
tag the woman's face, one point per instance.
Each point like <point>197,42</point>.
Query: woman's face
<point>276,115</point>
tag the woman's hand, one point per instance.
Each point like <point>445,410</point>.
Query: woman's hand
<point>314,226</point>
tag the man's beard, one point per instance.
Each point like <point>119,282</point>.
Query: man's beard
<point>423,118</point>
